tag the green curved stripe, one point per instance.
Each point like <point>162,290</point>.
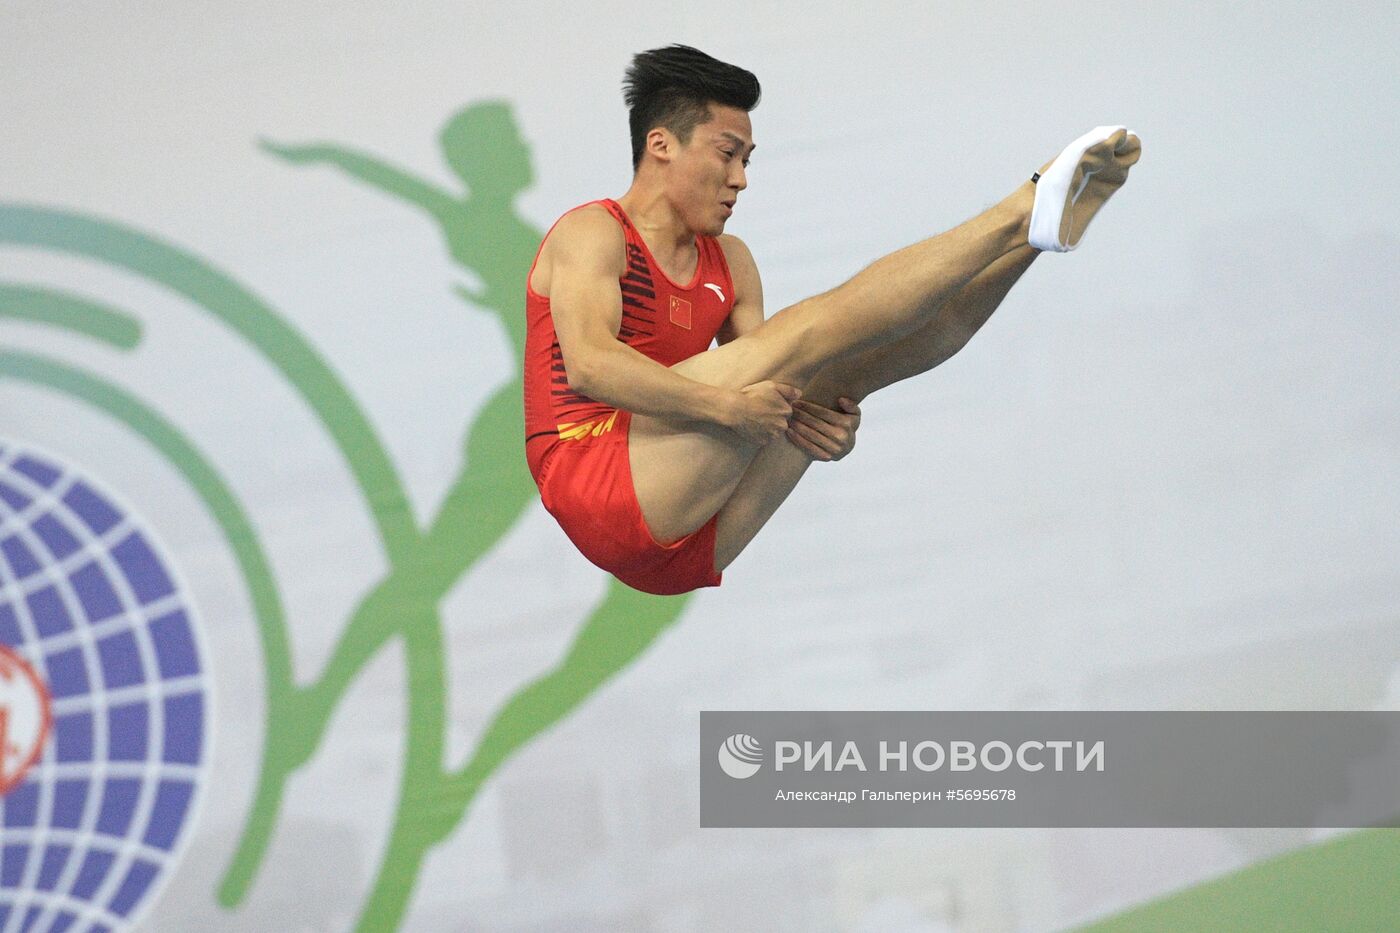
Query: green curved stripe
<point>483,504</point>
<point>235,306</point>
<point>1351,883</point>
<point>80,315</point>
<point>70,312</point>
<point>201,476</point>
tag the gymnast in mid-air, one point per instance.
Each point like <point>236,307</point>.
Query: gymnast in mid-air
<point>660,456</point>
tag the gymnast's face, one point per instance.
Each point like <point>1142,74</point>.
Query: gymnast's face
<point>709,171</point>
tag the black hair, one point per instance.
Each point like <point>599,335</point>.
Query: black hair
<point>672,88</point>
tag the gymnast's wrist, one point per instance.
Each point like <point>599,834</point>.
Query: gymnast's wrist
<point>725,407</point>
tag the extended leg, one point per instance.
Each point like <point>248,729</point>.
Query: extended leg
<point>683,476</point>
<point>951,328</point>
<point>775,471</point>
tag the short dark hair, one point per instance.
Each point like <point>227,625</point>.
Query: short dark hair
<point>673,87</point>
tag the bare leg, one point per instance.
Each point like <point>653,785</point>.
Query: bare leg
<point>778,467</point>
<point>683,475</point>
<point>952,327</point>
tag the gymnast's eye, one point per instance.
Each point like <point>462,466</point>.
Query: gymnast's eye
<point>730,153</point>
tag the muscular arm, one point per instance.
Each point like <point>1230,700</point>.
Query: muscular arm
<point>586,262</point>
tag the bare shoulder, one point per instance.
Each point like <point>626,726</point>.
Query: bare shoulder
<point>736,253</point>
<point>742,269</point>
<point>587,239</point>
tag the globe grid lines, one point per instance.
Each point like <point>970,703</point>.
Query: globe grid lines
<point>135,619</point>
<point>88,912</point>
<point>31,651</point>
<point>114,869</point>
<point>72,867</point>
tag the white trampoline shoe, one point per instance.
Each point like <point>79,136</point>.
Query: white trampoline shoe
<point>1077,183</point>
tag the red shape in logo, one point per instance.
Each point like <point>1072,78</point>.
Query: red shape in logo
<point>680,312</point>
<point>26,717</point>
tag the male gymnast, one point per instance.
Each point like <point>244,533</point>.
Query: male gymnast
<point>662,457</point>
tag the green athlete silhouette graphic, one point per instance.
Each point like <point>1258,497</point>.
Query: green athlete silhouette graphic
<point>488,238</point>
<point>491,241</point>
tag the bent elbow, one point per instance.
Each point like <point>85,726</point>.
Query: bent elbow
<point>579,372</point>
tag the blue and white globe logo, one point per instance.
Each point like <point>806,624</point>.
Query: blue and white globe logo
<point>93,824</point>
<point>740,756</point>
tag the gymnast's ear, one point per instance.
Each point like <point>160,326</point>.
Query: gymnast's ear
<point>662,144</point>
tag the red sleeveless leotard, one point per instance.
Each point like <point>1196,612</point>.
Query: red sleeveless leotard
<point>576,447</point>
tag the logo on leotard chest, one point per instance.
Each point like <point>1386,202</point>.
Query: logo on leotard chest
<point>680,312</point>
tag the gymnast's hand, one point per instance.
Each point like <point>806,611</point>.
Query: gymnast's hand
<point>761,411</point>
<point>822,433</point>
